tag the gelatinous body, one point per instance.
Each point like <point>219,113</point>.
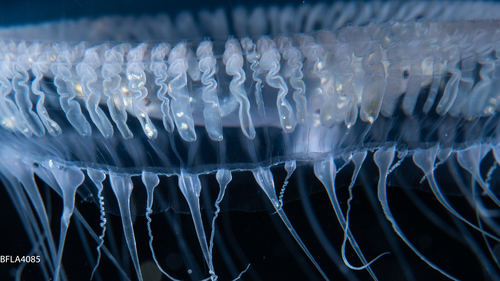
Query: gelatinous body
<point>316,115</point>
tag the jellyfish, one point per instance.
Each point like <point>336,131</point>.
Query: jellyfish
<point>322,141</point>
